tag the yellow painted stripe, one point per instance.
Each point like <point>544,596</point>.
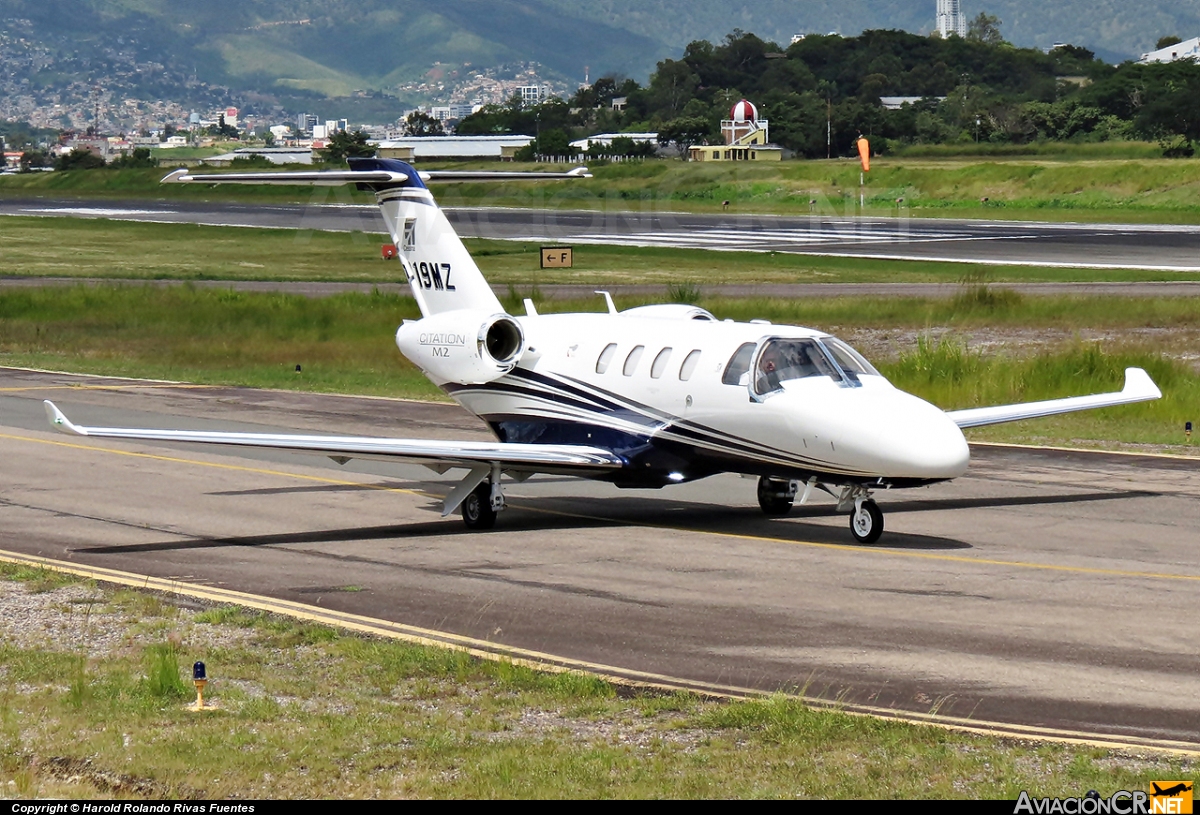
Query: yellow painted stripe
<point>104,387</point>
<point>838,547</point>
<point>547,662</point>
<point>1085,450</point>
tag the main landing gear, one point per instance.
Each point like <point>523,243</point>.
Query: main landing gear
<point>776,497</point>
<point>479,496</point>
<point>477,511</point>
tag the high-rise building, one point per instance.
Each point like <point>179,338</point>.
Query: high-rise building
<point>950,19</point>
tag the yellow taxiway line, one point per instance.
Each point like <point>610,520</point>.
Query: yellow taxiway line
<point>538,660</point>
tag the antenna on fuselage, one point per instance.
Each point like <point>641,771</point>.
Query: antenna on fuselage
<point>612,309</point>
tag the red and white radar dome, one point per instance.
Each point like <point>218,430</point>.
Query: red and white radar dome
<point>743,111</point>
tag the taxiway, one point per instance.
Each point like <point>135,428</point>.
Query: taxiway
<point>1051,590</point>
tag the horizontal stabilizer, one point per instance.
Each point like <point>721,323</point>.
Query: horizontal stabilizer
<point>500,175</point>
<point>564,458</point>
<point>1138,388</point>
<point>319,178</point>
<point>333,178</point>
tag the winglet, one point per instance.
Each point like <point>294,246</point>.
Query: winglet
<point>579,172</point>
<point>60,422</point>
<point>1138,384</point>
<point>175,176</point>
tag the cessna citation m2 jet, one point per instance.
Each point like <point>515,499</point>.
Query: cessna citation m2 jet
<point>646,397</point>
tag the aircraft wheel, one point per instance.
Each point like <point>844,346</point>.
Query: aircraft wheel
<point>866,524</point>
<point>477,512</point>
<point>775,497</point>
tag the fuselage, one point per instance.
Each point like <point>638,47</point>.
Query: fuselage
<point>684,398</point>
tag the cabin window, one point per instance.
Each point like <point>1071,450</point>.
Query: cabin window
<point>738,365</point>
<point>605,357</point>
<point>689,365</point>
<point>660,363</point>
<point>631,361</point>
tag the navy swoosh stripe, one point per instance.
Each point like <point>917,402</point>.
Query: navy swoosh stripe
<point>670,428</point>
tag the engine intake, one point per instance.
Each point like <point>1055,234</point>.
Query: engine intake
<point>467,347</point>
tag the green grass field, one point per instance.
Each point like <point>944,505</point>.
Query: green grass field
<point>344,344</point>
<point>1118,182</point>
<point>306,711</point>
<point>127,250</point>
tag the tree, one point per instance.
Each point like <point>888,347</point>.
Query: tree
<point>552,143</point>
<point>343,145</point>
<point>985,28</point>
<point>1169,40</point>
<point>684,132</point>
<point>140,157</point>
<point>422,124</point>
<point>32,158</point>
<point>79,159</point>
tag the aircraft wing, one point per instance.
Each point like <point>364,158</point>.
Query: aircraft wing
<point>1138,388</point>
<point>554,458</point>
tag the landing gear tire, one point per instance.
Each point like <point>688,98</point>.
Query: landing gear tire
<point>477,512</point>
<point>775,497</point>
<point>866,522</point>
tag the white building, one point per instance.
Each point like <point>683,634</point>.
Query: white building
<point>1188,49</point>
<point>430,148</point>
<point>950,18</point>
<point>606,139</point>
<point>275,155</point>
<point>534,94</point>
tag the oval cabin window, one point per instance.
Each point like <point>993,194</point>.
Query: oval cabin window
<point>660,363</point>
<point>631,361</point>
<point>605,357</point>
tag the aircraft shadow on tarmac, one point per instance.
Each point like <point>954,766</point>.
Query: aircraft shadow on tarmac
<point>544,514</point>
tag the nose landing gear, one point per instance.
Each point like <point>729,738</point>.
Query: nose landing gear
<point>866,521</point>
<point>866,518</point>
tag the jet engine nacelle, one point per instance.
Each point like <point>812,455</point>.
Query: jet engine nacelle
<point>469,347</point>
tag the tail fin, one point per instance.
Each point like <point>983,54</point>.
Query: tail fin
<point>440,270</point>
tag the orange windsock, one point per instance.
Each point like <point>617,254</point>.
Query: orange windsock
<point>864,152</point>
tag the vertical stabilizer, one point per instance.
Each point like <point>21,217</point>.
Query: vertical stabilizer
<point>441,272</point>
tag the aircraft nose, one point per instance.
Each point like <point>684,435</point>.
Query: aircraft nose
<point>943,450</point>
<point>897,435</point>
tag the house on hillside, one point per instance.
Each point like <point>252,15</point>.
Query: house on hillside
<point>1188,49</point>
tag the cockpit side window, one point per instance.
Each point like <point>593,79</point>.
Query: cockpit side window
<point>738,365</point>
<point>851,361</point>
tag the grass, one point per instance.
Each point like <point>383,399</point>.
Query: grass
<point>343,344</point>
<point>1120,181</point>
<point>126,250</point>
<point>306,711</point>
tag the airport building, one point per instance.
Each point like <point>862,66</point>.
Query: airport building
<point>746,139</point>
<point>433,148</point>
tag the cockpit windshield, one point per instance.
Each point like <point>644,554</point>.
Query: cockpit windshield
<point>850,361</point>
<point>782,360</point>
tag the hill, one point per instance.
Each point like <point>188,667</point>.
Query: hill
<point>384,54</point>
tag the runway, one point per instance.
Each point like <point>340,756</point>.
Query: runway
<point>1153,247</point>
<point>1045,589</point>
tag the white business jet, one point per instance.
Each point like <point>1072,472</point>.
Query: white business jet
<point>645,397</point>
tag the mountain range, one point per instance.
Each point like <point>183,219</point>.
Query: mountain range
<point>341,48</point>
